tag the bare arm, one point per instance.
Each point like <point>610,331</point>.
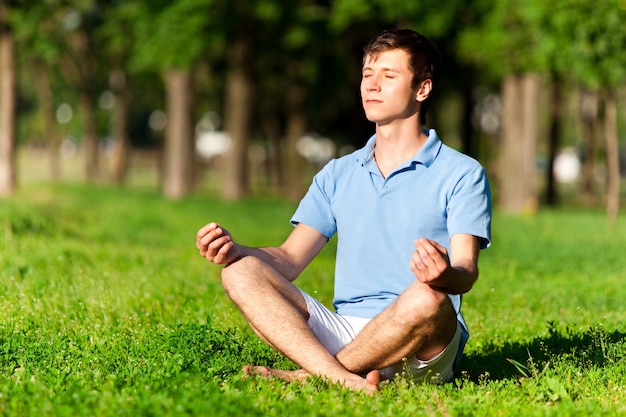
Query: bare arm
<point>455,273</point>
<point>216,244</point>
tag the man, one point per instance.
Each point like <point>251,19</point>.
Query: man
<point>411,215</point>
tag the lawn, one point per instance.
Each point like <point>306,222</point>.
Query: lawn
<point>106,309</point>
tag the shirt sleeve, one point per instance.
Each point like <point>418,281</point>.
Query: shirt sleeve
<point>470,208</point>
<point>315,208</point>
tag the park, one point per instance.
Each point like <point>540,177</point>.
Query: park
<point>126,126</point>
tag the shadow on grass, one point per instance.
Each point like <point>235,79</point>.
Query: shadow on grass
<point>594,347</point>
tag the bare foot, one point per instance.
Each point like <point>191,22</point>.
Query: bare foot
<point>369,384</point>
<point>374,377</point>
<point>300,375</point>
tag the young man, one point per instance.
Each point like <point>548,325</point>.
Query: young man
<point>411,215</point>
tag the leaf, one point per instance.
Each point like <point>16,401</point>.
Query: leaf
<point>522,369</point>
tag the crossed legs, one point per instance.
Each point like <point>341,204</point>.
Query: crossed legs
<point>421,322</point>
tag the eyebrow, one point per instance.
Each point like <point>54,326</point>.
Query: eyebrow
<point>384,69</point>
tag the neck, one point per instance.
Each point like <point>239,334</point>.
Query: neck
<point>396,144</point>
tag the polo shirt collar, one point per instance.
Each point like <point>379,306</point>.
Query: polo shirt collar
<point>425,156</point>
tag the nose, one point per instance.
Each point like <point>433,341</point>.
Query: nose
<point>371,83</point>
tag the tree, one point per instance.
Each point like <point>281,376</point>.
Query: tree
<point>172,38</point>
<point>7,104</point>
<point>91,40</point>
<point>81,21</point>
<point>511,50</point>
<point>117,40</point>
<point>589,41</point>
<point>237,109</point>
<point>273,54</point>
<point>517,158</point>
<point>41,42</point>
<point>556,123</point>
<point>298,53</point>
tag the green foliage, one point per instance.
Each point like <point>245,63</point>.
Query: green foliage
<point>430,17</point>
<point>37,30</point>
<point>108,310</point>
<point>505,38</point>
<point>172,35</point>
<point>579,40</point>
<point>310,47</point>
<point>589,40</point>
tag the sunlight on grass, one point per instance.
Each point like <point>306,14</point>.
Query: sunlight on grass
<point>107,309</point>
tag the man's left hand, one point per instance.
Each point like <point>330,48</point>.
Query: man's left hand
<point>429,261</point>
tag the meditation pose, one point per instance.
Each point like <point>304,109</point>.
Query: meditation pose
<point>411,215</point>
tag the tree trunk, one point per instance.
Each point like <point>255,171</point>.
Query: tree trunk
<point>82,69</point>
<point>530,116</point>
<point>179,158</point>
<point>90,139</point>
<point>46,101</point>
<point>556,122</point>
<point>467,129</point>
<point>516,167</point>
<point>510,164</point>
<point>119,128</point>
<point>272,130</point>
<point>295,129</point>
<point>589,109</point>
<point>7,106</point>
<point>237,114</point>
<point>612,158</point>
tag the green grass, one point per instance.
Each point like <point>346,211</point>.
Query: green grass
<point>106,309</point>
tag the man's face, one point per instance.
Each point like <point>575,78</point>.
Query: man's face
<point>386,92</point>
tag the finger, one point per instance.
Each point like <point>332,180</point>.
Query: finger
<point>436,252</point>
<point>223,254</point>
<point>438,247</point>
<point>432,246</point>
<point>211,242</point>
<point>416,259</point>
<point>419,270</point>
<point>206,229</point>
<point>203,232</point>
<point>417,265</point>
<point>426,255</point>
<point>211,237</point>
<point>217,243</point>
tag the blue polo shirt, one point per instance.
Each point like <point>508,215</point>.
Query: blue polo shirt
<point>438,193</point>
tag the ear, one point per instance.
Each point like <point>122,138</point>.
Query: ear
<point>424,90</point>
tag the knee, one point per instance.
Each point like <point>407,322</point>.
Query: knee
<point>238,276</point>
<point>423,304</point>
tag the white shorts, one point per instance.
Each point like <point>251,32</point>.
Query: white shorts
<point>336,331</point>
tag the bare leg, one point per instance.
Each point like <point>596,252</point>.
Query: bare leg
<point>420,322</point>
<point>277,311</point>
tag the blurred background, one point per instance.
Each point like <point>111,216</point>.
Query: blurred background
<point>244,97</point>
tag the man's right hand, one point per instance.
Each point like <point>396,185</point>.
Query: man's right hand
<point>216,244</point>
